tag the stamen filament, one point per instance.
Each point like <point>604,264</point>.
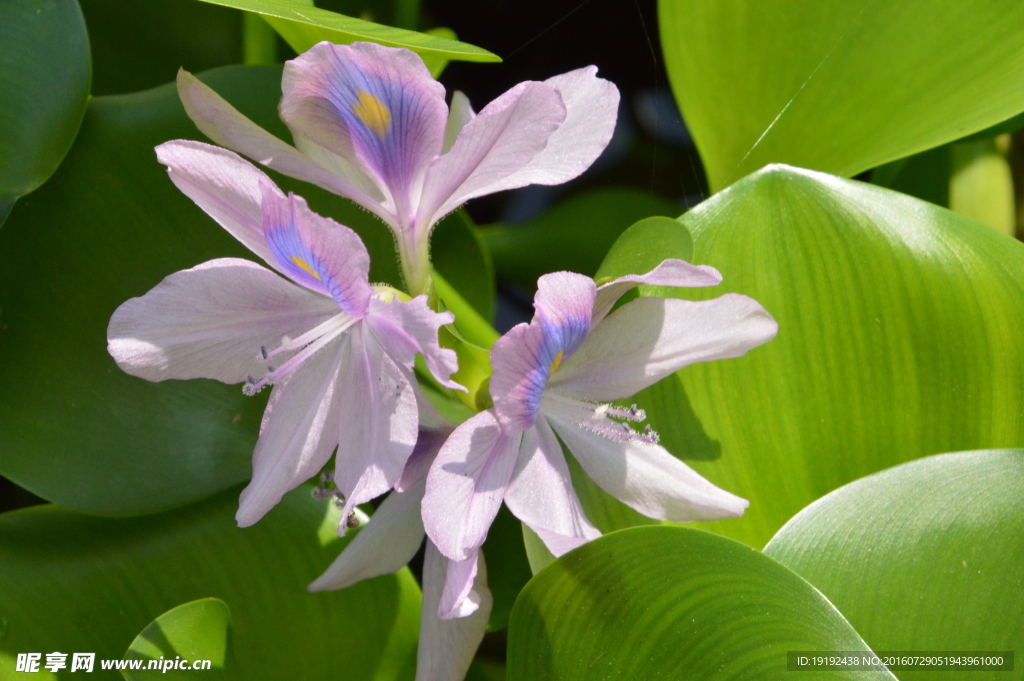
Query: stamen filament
<point>320,336</point>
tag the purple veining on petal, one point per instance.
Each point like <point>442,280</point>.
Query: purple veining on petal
<point>376,104</point>
<point>525,357</point>
<point>317,252</point>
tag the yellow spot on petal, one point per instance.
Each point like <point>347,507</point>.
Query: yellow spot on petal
<point>305,265</point>
<point>554,364</point>
<point>371,111</point>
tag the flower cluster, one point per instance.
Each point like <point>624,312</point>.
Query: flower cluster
<point>370,123</point>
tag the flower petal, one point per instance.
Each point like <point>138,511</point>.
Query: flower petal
<point>541,492</point>
<point>408,328</point>
<point>503,138</point>
<point>458,599</point>
<point>384,545</point>
<point>646,477</point>
<point>317,252</point>
<point>650,338</point>
<point>298,433</point>
<point>447,647</point>
<point>466,484</point>
<point>210,321</point>
<point>378,421</point>
<point>524,358</point>
<point>377,107</point>
<point>592,106</point>
<point>459,114</point>
<point>224,185</point>
<point>671,272</point>
<point>226,126</point>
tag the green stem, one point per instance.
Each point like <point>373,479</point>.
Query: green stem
<point>468,321</point>
<point>259,40</point>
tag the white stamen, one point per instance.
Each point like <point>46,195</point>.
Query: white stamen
<point>599,418</point>
<point>310,342</point>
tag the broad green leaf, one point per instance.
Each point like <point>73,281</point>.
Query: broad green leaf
<point>192,35</point>
<point>44,87</point>
<point>196,631</point>
<point>898,338</point>
<point>644,245</point>
<point>923,556</point>
<point>79,583</point>
<point>575,235</point>
<point>108,227</point>
<point>670,603</point>
<point>838,87</point>
<point>302,26</point>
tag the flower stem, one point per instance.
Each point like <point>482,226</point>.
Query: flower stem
<point>470,323</point>
<point>259,40</point>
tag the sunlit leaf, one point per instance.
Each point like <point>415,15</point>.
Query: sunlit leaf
<point>923,556</point>
<point>303,26</point>
<point>839,87</point>
<point>666,603</point>
<point>898,338</point>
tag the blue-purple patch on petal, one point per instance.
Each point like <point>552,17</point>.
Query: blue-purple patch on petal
<point>376,103</point>
<point>525,357</point>
<point>317,252</point>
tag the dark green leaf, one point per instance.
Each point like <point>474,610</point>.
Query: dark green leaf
<point>460,254</point>
<point>839,87</point>
<point>575,235</point>
<point>196,631</point>
<point>44,87</point>
<point>670,603</point>
<point>192,35</point>
<point>80,583</point>
<point>898,338</point>
<point>923,556</point>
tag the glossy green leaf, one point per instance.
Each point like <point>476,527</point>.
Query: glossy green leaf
<point>302,26</point>
<point>109,226</point>
<point>80,583</point>
<point>644,245</point>
<point>44,87</point>
<point>575,235</point>
<point>839,87</point>
<point>898,338</point>
<point>668,603</point>
<point>923,556</point>
<point>196,631</point>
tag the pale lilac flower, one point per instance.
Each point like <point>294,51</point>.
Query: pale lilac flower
<point>557,376</point>
<point>456,600</point>
<point>338,352</point>
<point>371,124</point>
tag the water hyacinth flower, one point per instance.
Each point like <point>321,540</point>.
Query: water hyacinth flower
<point>370,123</point>
<point>456,600</point>
<point>558,375</point>
<point>337,351</point>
